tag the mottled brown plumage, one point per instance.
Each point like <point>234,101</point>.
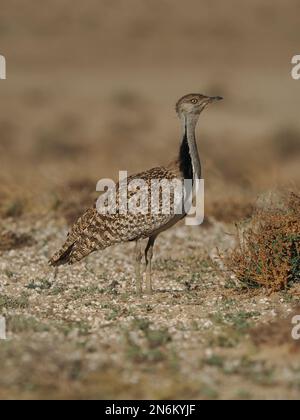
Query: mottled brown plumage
<point>95,231</point>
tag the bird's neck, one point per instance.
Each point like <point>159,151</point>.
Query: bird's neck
<point>189,160</point>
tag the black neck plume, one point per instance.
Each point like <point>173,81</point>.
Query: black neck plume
<point>185,161</point>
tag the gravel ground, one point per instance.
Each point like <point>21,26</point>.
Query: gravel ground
<point>86,335</point>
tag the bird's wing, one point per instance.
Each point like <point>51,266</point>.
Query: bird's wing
<point>95,230</point>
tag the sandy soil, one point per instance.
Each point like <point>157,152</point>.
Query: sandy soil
<point>86,334</point>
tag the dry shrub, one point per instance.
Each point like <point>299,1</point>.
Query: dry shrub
<point>268,250</point>
<point>13,200</point>
<point>11,240</point>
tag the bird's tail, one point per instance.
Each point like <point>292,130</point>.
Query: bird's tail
<point>63,256</point>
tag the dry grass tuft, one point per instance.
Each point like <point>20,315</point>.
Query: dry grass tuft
<point>10,240</point>
<point>268,250</point>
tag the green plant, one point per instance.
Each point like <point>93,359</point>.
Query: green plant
<point>7,302</point>
<point>152,347</point>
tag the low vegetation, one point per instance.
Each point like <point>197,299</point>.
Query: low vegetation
<point>268,250</point>
<point>11,240</point>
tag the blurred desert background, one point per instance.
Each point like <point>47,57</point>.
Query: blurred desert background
<point>90,90</point>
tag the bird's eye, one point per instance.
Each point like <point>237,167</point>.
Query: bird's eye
<point>194,101</point>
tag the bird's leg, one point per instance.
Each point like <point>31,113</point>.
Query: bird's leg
<point>148,257</point>
<point>138,259</point>
<point>53,274</point>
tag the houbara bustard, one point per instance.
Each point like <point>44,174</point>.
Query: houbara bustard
<point>97,231</point>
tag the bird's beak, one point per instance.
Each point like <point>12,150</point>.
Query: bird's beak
<point>215,99</point>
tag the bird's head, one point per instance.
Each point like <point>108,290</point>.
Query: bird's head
<point>194,103</point>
